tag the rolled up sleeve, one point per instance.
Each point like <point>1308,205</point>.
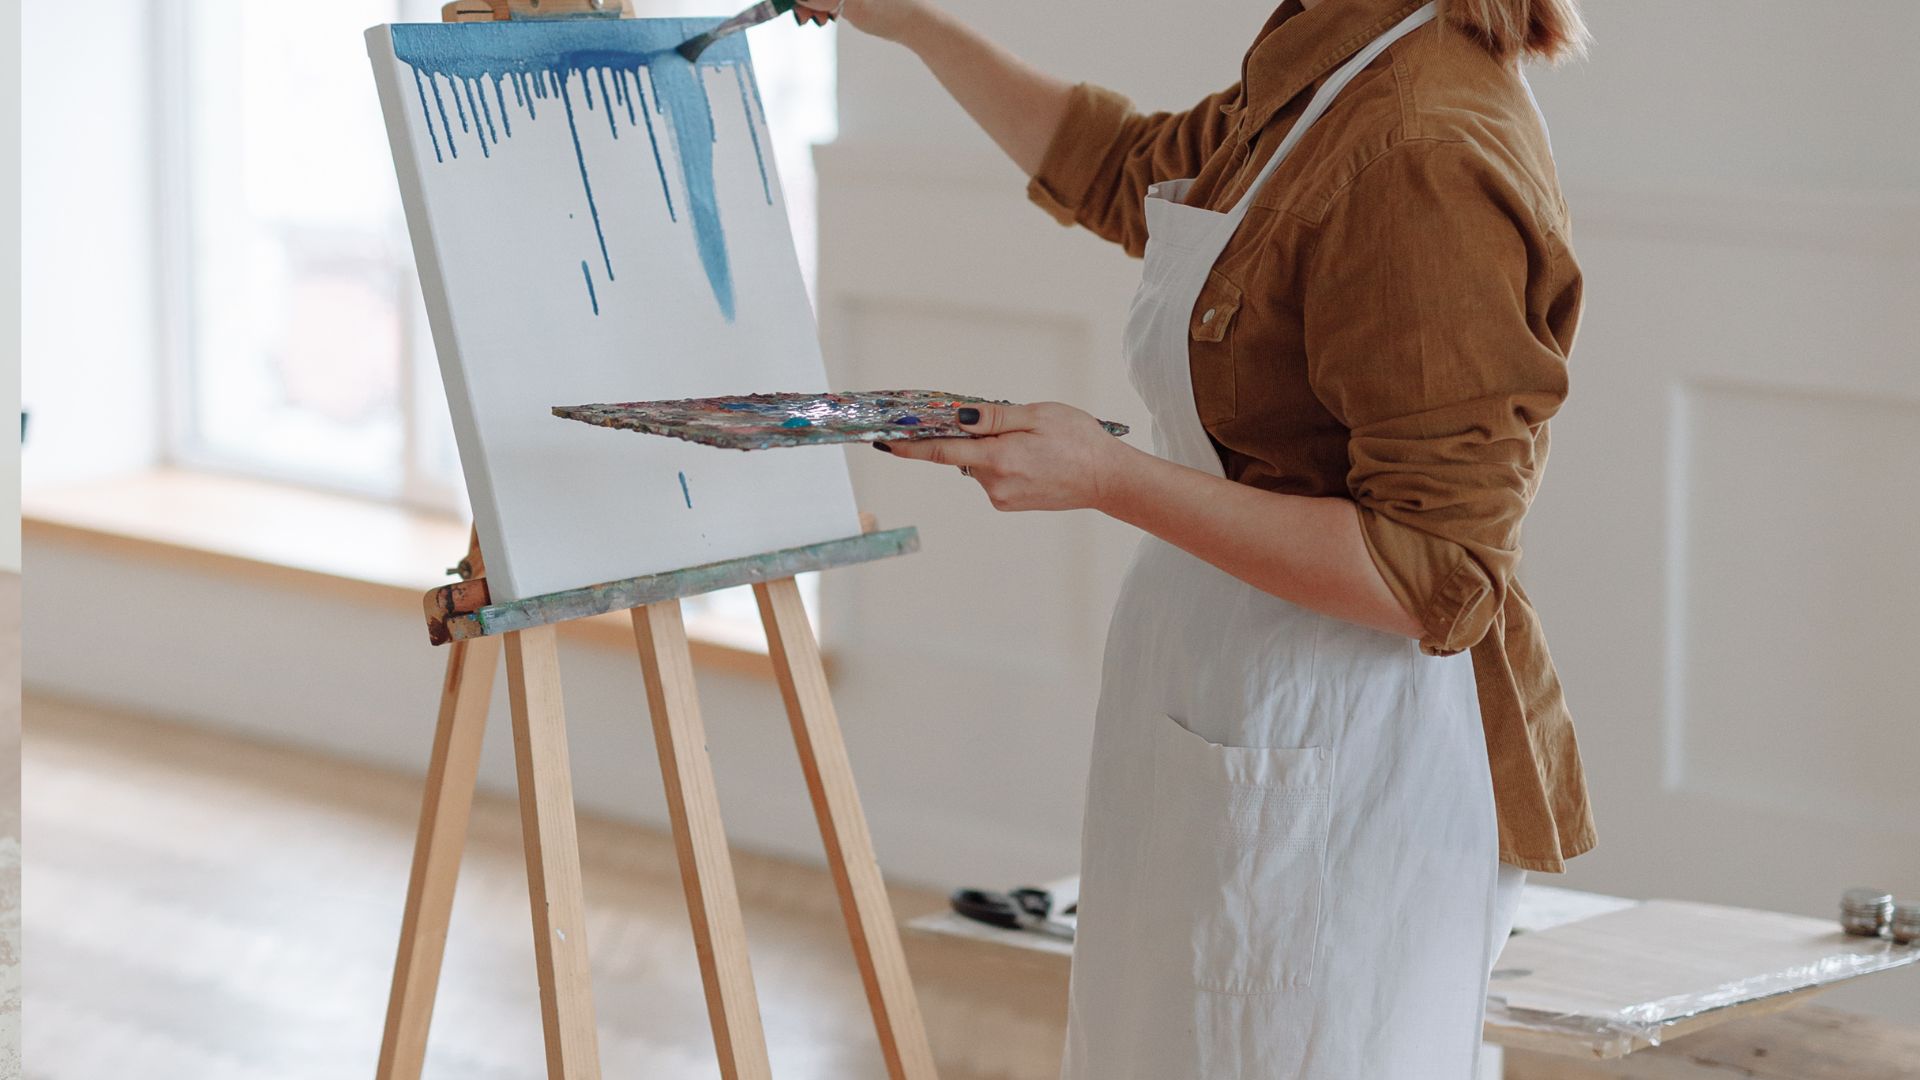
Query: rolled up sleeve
<point>1104,155</point>
<point>1419,340</point>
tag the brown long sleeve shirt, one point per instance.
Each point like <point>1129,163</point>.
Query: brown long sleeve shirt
<point>1391,324</point>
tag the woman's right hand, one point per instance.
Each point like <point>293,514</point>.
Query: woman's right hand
<point>888,19</point>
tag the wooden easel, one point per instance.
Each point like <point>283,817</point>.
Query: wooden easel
<point>463,615</point>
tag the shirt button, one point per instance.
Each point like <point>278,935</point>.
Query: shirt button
<point>1206,316</point>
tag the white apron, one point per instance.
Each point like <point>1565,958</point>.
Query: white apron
<point>1290,850</point>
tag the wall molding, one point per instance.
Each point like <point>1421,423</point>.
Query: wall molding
<point>1865,222</point>
<point>1875,224</point>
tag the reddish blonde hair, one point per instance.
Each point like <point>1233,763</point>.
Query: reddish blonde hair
<point>1526,30</point>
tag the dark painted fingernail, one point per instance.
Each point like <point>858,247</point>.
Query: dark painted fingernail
<point>882,447</point>
<point>969,416</point>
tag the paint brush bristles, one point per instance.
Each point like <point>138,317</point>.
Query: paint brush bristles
<point>692,48</point>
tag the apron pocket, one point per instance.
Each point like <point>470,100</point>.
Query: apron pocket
<point>1244,841</point>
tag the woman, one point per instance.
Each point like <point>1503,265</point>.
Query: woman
<point>1330,740</point>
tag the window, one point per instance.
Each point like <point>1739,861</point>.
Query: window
<point>302,351</point>
<point>301,346</point>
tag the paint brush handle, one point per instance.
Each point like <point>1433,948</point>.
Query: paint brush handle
<point>755,15</point>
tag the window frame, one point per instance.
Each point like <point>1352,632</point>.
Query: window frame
<point>173,45</point>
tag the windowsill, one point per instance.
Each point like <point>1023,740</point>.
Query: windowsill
<point>333,545</point>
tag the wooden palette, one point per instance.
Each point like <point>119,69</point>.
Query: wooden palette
<point>764,421</point>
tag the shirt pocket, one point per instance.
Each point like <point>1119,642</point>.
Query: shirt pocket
<point>1244,841</point>
<point>1210,348</point>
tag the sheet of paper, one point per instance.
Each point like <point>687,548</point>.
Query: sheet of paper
<point>1543,907</point>
<point>596,219</point>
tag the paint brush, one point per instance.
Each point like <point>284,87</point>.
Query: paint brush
<point>753,16</point>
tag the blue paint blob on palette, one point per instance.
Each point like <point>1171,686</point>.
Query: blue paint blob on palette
<point>471,79</point>
<point>766,421</point>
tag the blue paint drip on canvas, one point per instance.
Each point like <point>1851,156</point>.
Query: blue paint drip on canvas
<point>544,59</point>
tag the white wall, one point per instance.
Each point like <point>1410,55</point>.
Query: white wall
<point>1741,95</point>
<point>1723,567</point>
<point>89,339</point>
<point>1163,57</point>
<point>1735,132</point>
<point>10,307</point>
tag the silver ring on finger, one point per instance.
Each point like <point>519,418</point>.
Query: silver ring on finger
<point>966,470</point>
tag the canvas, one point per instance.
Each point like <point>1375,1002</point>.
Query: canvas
<point>594,219</point>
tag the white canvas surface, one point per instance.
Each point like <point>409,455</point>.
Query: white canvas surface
<point>496,190</point>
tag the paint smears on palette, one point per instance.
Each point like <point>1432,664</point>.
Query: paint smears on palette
<point>765,421</point>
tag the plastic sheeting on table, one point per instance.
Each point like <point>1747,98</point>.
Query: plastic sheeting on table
<point>1629,978</point>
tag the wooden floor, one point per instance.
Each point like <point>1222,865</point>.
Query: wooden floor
<point>10,984</point>
<point>201,908</point>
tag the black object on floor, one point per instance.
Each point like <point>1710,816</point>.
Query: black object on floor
<point>1018,909</point>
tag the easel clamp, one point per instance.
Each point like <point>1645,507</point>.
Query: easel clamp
<point>505,10</point>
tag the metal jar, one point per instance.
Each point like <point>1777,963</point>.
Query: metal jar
<point>1905,923</point>
<point>1866,912</point>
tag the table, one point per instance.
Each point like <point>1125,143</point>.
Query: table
<point>1585,976</point>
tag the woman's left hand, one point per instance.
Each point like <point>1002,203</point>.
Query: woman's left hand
<point>1045,456</point>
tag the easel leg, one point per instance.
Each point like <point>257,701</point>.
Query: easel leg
<point>843,828</point>
<point>436,855</point>
<point>706,870</point>
<point>553,854</point>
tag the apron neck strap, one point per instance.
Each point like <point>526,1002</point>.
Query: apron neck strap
<point>1323,98</point>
